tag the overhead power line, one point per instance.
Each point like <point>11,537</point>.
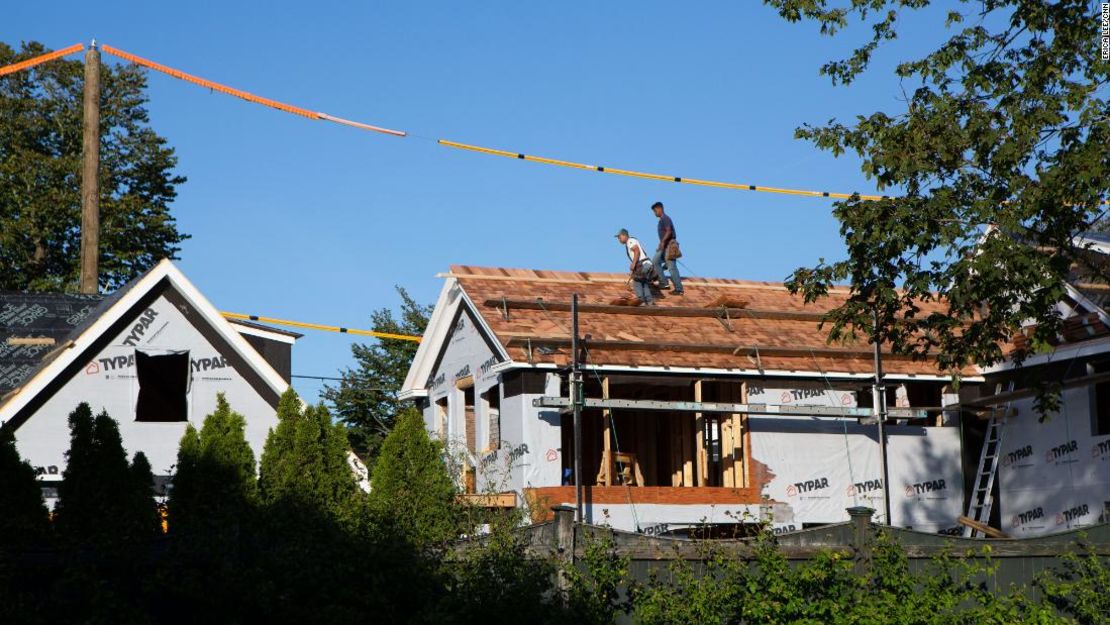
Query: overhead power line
<point>324,328</point>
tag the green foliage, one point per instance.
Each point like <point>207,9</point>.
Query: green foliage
<point>102,500</point>
<point>593,595</point>
<point>1004,129</point>
<point>305,459</point>
<point>366,398</point>
<point>1078,587</point>
<point>827,589</point>
<point>214,486</point>
<point>40,154</point>
<point>24,520</point>
<point>496,582</point>
<point>411,488</point>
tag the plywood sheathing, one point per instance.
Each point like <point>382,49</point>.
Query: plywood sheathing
<point>482,284</point>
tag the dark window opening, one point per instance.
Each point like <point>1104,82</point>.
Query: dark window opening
<point>163,385</point>
<point>1100,410</point>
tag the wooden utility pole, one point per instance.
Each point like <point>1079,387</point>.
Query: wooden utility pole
<point>90,167</point>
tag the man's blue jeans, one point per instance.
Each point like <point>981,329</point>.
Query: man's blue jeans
<point>642,289</point>
<point>672,268</point>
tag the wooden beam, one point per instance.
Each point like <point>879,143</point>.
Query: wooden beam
<point>658,311</point>
<point>699,433</point>
<point>488,500</point>
<point>30,340</point>
<point>719,348</point>
<point>587,279</point>
<point>982,403</point>
<point>782,410</point>
<point>981,527</point>
<point>607,438</point>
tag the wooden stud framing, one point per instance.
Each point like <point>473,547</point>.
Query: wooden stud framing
<point>699,433</point>
<point>607,438</point>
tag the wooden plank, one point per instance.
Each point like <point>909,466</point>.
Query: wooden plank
<point>488,500</point>
<point>745,440</point>
<point>30,340</point>
<point>623,279</point>
<point>981,527</point>
<point>716,348</point>
<point>606,438</point>
<point>659,311</point>
<point>699,433</point>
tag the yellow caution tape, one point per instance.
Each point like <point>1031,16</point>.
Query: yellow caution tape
<point>317,326</point>
<point>650,176</point>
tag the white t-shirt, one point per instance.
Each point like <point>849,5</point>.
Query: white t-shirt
<point>630,248</point>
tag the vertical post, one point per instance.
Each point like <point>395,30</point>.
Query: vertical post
<point>90,166</point>
<point>878,395</point>
<point>606,438</point>
<point>576,401</point>
<point>861,536</point>
<point>564,544</point>
<point>699,432</point>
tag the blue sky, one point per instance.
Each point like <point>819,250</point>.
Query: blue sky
<point>313,221</point>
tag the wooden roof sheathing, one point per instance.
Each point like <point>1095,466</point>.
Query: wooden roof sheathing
<point>687,338</point>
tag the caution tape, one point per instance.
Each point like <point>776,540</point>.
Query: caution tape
<point>239,93</point>
<point>317,326</point>
<point>303,112</point>
<point>650,176</point>
<point>40,59</point>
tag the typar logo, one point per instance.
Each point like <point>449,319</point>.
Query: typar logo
<point>928,486</point>
<point>1101,449</point>
<point>141,325</point>
<point>1072,514</point>
<point>808,486</point>
<point>92,368</point>
<point>1062,453</point>
<point>1017,455</point>
<point>1024,518</point>
<point>864,487</point>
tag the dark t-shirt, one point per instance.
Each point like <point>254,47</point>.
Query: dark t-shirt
<point>664,223</point>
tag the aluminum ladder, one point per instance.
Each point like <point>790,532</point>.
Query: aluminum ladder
<point>979,507</point>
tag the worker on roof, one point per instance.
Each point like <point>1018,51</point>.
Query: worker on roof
<point>667,252</point>
<point>643,274</point>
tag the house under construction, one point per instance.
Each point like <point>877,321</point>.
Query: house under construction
<point>724,407</point>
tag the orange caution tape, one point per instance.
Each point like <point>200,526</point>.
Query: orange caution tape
<point>42,58</point>
<point>138,60</point>
<point>249,97</point>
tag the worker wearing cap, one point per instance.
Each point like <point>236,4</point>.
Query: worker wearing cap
<point>668,252</point>
<point>640,266</point>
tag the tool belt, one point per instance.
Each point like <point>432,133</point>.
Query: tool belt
<point>644,271</point>
<point>673,252</point>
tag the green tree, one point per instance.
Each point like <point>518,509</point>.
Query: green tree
<point>214,486</point>
<point>40,154</point>
<point>366,398</point>
<point>411,489</point>
<point>996,158</point>
<point>24,520</point>
<point>305,459</point>
<point>103,500</point>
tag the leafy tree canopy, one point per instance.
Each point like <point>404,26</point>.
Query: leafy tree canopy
<point>103,499</point>
<point>304,461</point>
<point>996,158</point>
<point>40,182</point>
<point>215,483</point>
<point>411,488</point>
<point>366,398</point>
